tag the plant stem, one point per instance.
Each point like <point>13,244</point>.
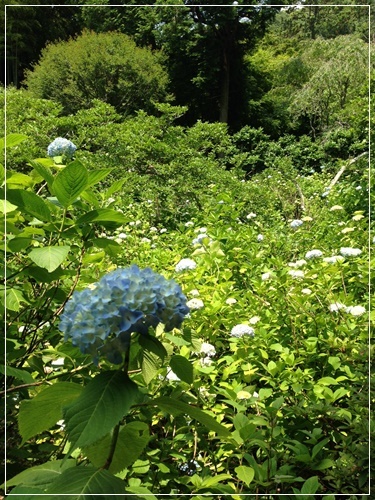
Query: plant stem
<point>112,448</point>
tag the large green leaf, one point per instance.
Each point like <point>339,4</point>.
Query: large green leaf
<point>70,182</point>
<point>131,441</point>
<point>102,215</point>
<point>6,207</point>
<point>96,176</point>
<point>175,407</point>
<point>22,375</point>
<point>44,172</point>
<point>19,179</point>
<point>14,299</point>
<point>245,474</point>
<point>153,354</point>
<point>83,482</point>
<point>12,140</point>
<point>46,408</point>
<point>101,405</point>
<point>182,368</point>
<point>25,492</point>
<point>41,475</point>
<point>49,257</point>
<point>30,203</point>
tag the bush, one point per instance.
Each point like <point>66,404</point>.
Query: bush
<point>106,66</point>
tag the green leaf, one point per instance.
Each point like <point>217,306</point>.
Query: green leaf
<point>175,407</point>
<point>19,179</point>
<point>25,492</point>
<point>327,381</point>
<point>245,474</point>
<point>49,257</point>
<point>182,368</point>
<point>310,486</point>
<point>46,408</point>
<point>132,439</point>
<point>14,299</point>
<point>87,480</point>
<point>30,203</point>
<point>214,480</point>
<point>6,207</point>
<point>101,405</point>
<point>102,215</point>
<point>70,182</point>
<point>326,463</point>
<point>44,172</point>
<point>41,475</point>
<point>334,361</point>
<point>96,176</point>
<point>12,140</point>
<point>116,186</point>
<point>17,244</point>
<point>153,353</point>
<point>22,375</point>
<point>318,447</point>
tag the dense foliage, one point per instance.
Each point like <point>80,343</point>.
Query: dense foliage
<point>187,301</point>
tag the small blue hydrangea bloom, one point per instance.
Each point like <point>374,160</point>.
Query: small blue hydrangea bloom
<point>100,319</point>
<point>296,223</point>
<point>60,147</point>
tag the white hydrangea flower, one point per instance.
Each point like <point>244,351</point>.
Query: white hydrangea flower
<point>260,237</point>
<point>357,217</point>
<point>241,330</point>
<point>111,200</point>
<point>350,252</point>
<point>296,223</point>
<point>153,229</point>
<point>230,301</point>
<point>194,293</point>
<point>163,230</point>
<point>336,207</point>
<point>356,310</point>
<point>333,259</point>
<point>189,223</point>
<point>195,304</point>
<point>207,361</point>
<point>266,276</point>
<point>313,254</point>
<point>198,240</point>
<point>336,306</point>
<point>348,230</point>
<point>145,240</point>
<point>254,320</point>
<point>298,263</point>
<point>208,349</point>
<point>185,264</point>
<point>251,215</point>
<point>297,274</point>
<point>122,236</point>
<point>306,291</point>
<point>172,377</point>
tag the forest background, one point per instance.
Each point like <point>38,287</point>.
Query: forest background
<point>236,137</point>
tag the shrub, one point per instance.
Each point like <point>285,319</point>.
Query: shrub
<point>106,66</point>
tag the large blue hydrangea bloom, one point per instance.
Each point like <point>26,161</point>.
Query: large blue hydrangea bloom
<point>60,147</point>
<point>100,319</point>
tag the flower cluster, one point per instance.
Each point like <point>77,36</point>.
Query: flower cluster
<point>199,239</point>
<point>350,252</point>
<point>189,468</point>
<point>60,147</point>
<point>100,319</point>
<point>241,330</point>
<point>185,265</point>
<point>195,304</point>
<point>313,254</point>
<point>296,223</point>
<point>353,310</point>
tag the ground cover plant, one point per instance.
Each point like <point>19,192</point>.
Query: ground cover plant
<point>262,388</point>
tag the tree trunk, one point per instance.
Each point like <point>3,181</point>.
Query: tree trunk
<point>224,91</point>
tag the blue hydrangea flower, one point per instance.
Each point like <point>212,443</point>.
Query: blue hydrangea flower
<point>60,147</point>
<point>296,223</point>
<point>100,319</point>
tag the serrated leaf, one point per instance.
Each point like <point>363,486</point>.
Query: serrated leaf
<point>102,215</point>
<point>70,182</point>
<point>49,257</point>
<point>46,408</point>
<point>245,474</point>
<point>19,179</point>
<point>132,439</point>
<point>101,405</point>
<point>82,481</point>
<point>30,203</point>
<point>175,407</point>
<point>96,176</point>
<point>14,299</point>
<point>44,172</point>
<point>182,368</point>
<point>150,366</point>
<point>41,475</point>
<point>22,375</point>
